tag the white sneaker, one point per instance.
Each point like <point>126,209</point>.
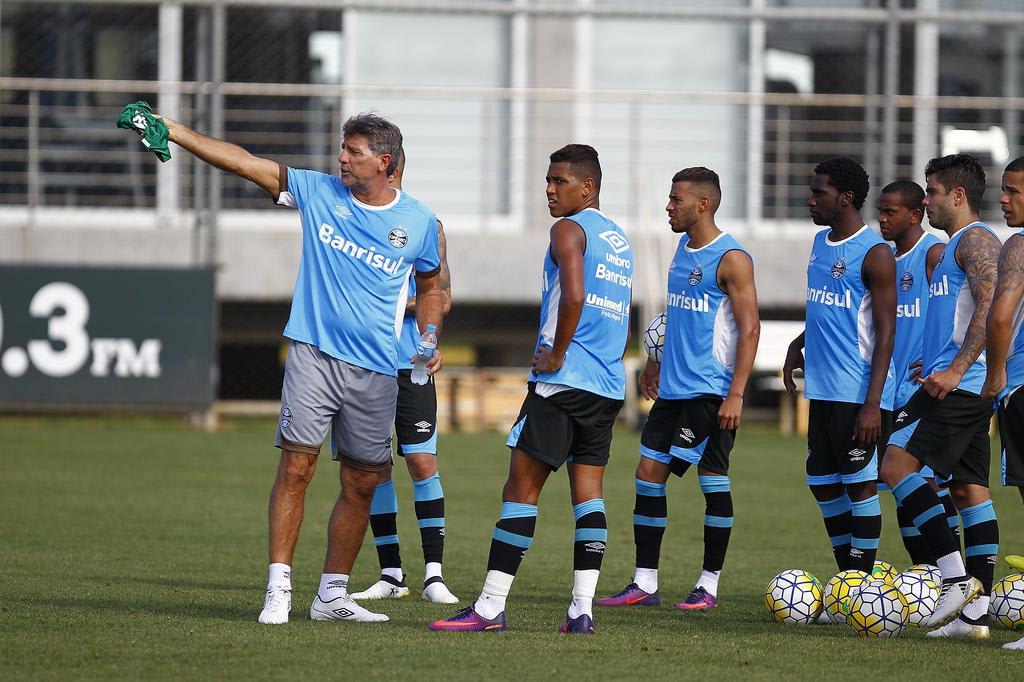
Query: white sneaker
<point>952,599</point>
<point>1018,645</point>
<point>276,606</point>
<point>343,608</point>
<point>438,593</point>
<point>385,588</point>
<point>960,628</point>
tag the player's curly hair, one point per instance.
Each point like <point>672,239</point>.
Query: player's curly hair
<point>959,170</point>
<point>846,175</point>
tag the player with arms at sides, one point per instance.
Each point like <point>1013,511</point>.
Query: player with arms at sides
<point>1005,342</point>
<point>848,341</point>
<point>900,210</point>
<point>711,334</point>
<point>416,427</point>
<point>945,423</point>
<point>576,390</point>
<point>360,241</point>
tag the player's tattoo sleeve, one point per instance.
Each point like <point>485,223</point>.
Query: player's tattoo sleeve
<point>446,275</point>
<point>978,254</point>
<point>1009,290</point>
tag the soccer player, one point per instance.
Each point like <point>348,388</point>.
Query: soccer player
<point>360,241</point>
<point>1005,344</point>
<point>415,425</point>
<point>848,341</point>
<point>900,210</point>
<point>576,390</point>
<point>945,423</point>
<point>711,333</point>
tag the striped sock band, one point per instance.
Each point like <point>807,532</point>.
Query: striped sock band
<point>429,502</point>
<point>384,525</point>
<point>838,524</point>
<point>718,518</point>
<point>913,541</point>
<point>513,535</point>
<point>929,515</point>
<point>650,517</point>
<point>591,535</point>
<point>952,513</point>
<point>865,530</point>
<point>981,541</point>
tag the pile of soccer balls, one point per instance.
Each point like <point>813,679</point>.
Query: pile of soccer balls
<point>882,604</point>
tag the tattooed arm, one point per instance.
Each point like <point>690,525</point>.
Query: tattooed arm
<point>446,278</point>
<point>978,255</point>
<point>1009,289</point>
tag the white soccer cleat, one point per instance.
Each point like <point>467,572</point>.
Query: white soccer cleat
<point>343,608</point>
<point>952,599</point>
<point>1018,645</point>
<point>385,588</point>
<point>438,593</point>
<point>276,606</point>
<point>959,628</point>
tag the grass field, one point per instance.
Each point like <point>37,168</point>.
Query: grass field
<point>135,549</point>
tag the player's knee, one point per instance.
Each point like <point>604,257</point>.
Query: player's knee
<point>421,466</point>
<point>961,496</point>
<point>860,491</point>
<point>519,491</point>
<point>297,470</point>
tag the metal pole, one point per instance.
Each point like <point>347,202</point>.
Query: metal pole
<point>169,103</point>
<point>584,70</point>
<point>201,122</point>
<point>926,85</point>
<point>218,46</point>
<point>1011,88</point>
<point>518,130</point>
<point>871,105</point>
<point>890,114</point>
<point>755,122</point>
<point>34,180</point>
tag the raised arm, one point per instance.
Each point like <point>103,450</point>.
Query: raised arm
<point>567,246</point>
<point>228,157</point>
<point>978,255</point>
<point>736,277</point>
<point>880,276</point>
<point>999,329</point>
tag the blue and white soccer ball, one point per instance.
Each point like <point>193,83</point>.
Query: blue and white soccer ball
<point>654,337</point>
<point>928,570</point>
<point>878,610</point>
<point>1006,605</point>
<point>794,597</point>
<point>922,595</point>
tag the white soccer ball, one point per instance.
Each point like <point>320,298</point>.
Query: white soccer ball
<point>878,610</point>
<point>922,595</point>
<point>654,337</point>
<point>839,590</point>
<point>928,570</point>
<point>1007,603</point>
<point>794,597</point>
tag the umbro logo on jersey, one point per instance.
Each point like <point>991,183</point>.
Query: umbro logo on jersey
<point>686,434</point>
<point>398,238</point>
<point>423,427</point>
<point>596,547</point>
<point>696,275</point>
<point>341,210</point>
<point>615,240</point>
<point>838,269</point>
<point>906,281</point>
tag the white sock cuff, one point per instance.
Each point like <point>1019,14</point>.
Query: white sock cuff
<point>584,583</point>
<point>332,586</point>
<point>498,584</point>
<point>432,570</point>
<point>646,579</point>
<point>279,575</point>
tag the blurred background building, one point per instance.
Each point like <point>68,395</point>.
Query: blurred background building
<point>484,90</point>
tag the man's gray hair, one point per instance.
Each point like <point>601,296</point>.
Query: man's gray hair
<point>382,136</point>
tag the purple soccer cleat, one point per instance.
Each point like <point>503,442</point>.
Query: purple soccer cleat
<point>581,625</point>
<point>698,600</point>
<point>631,595</point>
<point>468,620</point>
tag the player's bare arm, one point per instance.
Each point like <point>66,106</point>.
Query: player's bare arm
<point>794,361</point>
<point>880,276</point>
<point>978,255</point>
<point>999,329</point>
<point>567,246</point>
<point>736,278</point>
<point>446,278</point>
<point>228,157</point>
<point>429,304</point>
<point>650,380</point>
<point>931,261</point>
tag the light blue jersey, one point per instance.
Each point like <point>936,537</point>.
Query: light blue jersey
<point>354,274</point>
<point>593,361</point>
<point>840,331</point>
<point>950,308</point>
<point>700,331</point>
<point>1015,358</point>
<point>911,307</point>
<point>409,336</point>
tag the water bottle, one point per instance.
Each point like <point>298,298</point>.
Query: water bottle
<point>424,351</point>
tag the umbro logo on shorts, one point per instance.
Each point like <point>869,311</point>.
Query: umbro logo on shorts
<point>857,455</point>
<point>423,427</point>
<point>686,434</point>
<point>901,416</point>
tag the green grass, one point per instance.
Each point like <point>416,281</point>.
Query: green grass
<point>136,549</point>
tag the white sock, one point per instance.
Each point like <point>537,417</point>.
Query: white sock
<point>431,570</point>
<point>395,573</point>
<point>951,566</point>
<point>976,609</point>
<point>332,586</point>
<point>709,581</point>
<point>646,579</point>
<point>491,601</point>
<point>280,575</point>
<point>584,586</point>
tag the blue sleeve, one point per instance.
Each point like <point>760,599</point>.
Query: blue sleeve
<point>430,256</point>
<point>302,184</point>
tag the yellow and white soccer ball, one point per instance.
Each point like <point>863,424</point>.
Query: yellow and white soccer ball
<point>884,571</point>
<point>922,595</point>
<point>794,597</point>
<point>654,337</point>
<point>839,590</point>
<point>1006,604</point>
<point>878,610</point>
<point>929,570</point>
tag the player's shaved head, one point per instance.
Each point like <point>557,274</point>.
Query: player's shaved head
<point>704,180</point>
<point>1016,166</point>
<point>910,194</point>
<point>582,160</point>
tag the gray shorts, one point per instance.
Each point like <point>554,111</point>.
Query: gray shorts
<point>358,405</point>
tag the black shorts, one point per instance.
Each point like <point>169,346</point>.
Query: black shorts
<point>833,456</point>
<point>1011,433</point>
<point>416,416</point>
<point>684,432</point>
<point>571,425</point>
<point>948,435</point>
